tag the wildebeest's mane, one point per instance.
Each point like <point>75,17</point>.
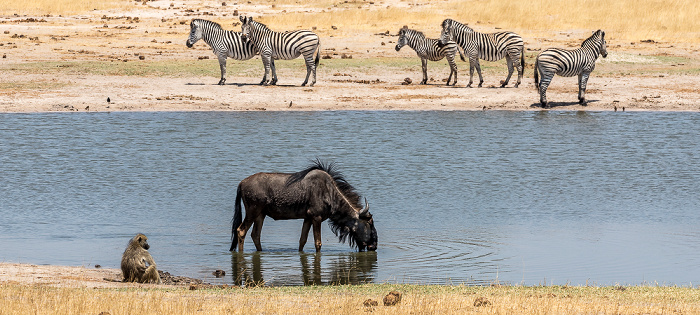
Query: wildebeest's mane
<point>337,224</point>
<point>211,23</point>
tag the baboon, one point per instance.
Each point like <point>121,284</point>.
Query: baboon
<point>137,263</point>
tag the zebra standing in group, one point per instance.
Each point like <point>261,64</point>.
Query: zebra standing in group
<point>287,45</point>
<point>490,47</point>
<point>568,63</point>
<point>429,49</point>
<point>224,43</point>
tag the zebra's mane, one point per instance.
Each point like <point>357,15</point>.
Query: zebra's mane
<point>418,34</point>
<point>456,24</point>
<point>207,22</point>
<point>260,25</point>
<point>596,37</point>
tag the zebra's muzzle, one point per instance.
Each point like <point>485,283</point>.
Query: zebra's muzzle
<point>397,47</point>
<point>189,45</point>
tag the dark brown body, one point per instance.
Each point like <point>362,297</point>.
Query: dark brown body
<point>314,195</point>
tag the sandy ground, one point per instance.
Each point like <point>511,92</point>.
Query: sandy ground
<point>63,276</point>
<point>157,32</point>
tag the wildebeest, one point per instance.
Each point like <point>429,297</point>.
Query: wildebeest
<point>314,194</point>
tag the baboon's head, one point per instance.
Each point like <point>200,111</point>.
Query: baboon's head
<point>140,240</point>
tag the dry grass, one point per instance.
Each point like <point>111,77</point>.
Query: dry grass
<point>33,299</point>
<point>660,20</point>
<point>55,7</point>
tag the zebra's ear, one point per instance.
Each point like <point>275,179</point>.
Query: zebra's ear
<point>242,18</point>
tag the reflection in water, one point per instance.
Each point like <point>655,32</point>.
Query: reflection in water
<point>314,268</point>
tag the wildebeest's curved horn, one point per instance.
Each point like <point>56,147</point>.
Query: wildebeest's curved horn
<point>365,210</point>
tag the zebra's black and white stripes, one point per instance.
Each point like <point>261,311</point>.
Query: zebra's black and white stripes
<point>282,45</point>
<point>490,47</point>
<point>429,49</point>
<point>568,63</point>
<point>224,43</point>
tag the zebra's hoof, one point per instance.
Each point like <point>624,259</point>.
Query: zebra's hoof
<point>221,82</point>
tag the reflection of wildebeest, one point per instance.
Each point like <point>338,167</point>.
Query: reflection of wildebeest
<point>314,194</point>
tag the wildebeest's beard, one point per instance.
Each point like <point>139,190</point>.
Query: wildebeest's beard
<point>357,230</point>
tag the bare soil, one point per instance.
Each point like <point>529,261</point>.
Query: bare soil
<point>636,76</point>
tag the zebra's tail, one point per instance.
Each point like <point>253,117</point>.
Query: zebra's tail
<point>318,54</point>
<point>461,56</point>
<point>522,59</point>
<point>537,79</point>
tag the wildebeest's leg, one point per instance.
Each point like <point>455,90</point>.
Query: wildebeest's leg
<point>242,230</point>
<point>582,81</point>
<point>317,233</point>
<point>222,65</point>
<point>509,61</point>
<point>304,234</point>
<point>453,68</point>
<point>257,229</point>
<point>424,64</point>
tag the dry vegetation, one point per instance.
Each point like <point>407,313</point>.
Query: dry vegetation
<point>41,299</point>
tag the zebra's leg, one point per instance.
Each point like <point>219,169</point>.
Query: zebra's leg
<point>472,64</point>
<point>309,67</point>
<point>509,61</point>
<point>274,72</point>
<point>544,83</point>
<point>222,65</point>
<point>519,64</point>
<point>582,81</point>
<point>478,71</point>
<point>267,62</point>
<point>453,68</point>
<point>424,64</point>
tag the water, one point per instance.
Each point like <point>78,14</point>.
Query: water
<point>458,197</point>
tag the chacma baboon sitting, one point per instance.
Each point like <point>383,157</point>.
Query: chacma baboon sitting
<point>137,263</point>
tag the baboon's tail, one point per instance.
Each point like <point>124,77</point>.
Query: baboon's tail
<point>537,79</point>
<point>237,219</point>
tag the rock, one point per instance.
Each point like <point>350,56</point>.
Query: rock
<point>219,273</point>
<point>481,301</point>
<point>370,303</point>
<point>393,298</point>
<point>407,81</point>
<point>142,57</point>
<point>327,57</point>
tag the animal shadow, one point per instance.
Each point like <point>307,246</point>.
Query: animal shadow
<point>561,104</point>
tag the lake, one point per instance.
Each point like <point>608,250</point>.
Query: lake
<point>536,197</point>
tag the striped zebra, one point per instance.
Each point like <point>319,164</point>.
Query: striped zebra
<point>490,47</point>
<point>287,45</point>
<point>224,43</point>
<point>568,63</point>
<point>429,49</point>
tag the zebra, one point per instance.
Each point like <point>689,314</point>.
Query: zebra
<point>429,49</point>
<point>490,47</point>
<point>568,63</point>
<point>287,45</point>
<point>224,43</point>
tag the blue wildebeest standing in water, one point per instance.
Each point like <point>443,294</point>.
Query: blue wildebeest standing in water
<point>568,63</point>
<point>224,43</point>
<point>429,49</point>
<point>282,45</point>
<point>490,47</point>
<point>314,195</point>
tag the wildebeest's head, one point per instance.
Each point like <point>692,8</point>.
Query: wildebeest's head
<point>360,232</point>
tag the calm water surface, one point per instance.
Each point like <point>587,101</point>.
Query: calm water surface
<point>458,197</point>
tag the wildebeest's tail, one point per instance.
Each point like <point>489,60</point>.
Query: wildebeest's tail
<point>537,78</point>
<point>237,219</point>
